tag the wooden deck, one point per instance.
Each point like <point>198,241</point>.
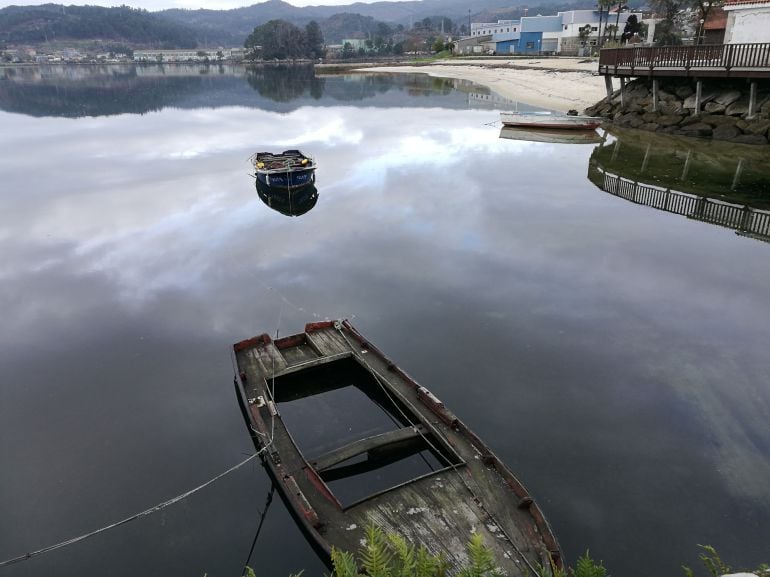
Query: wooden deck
<point>706,60</point>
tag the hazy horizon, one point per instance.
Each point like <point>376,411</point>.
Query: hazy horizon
<point>154,5</point>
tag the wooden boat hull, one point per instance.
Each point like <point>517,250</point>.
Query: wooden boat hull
<point>469,490</point>
<point>547,120</point>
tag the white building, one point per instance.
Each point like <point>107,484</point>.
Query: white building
<point>748,21</point>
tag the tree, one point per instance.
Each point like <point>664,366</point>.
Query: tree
<point>315,39</point>
<point>632,27</point>
<point>347,50</point>
<point>438,45</point>
<point>279,40</point>
<point>602,4</point>
<point>668,31</point>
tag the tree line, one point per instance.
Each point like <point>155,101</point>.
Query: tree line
<point>50,22</point>
<point>282,40</point>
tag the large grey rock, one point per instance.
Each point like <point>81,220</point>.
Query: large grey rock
<point>650,116</point>
<point>739,107</point>
<point>727,98</point>
<point>714,107</point>
<point>758,127</point>
<point>750,139</point>
<point>697,129</point>
<point>718,119</point>
<point>684,91</point>
<point>673,107</point>
<point>669,119</point>
<point>638,91</point>
<point>630,119</point>
<point>726,132</point>
<point>689,102</point>
<point>649,126</point>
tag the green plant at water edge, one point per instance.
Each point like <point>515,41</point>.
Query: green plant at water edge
<point>391,556</point>
<point>587,567</point>
<point>713,563</point>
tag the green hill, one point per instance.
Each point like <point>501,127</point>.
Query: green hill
<point>53,22</point>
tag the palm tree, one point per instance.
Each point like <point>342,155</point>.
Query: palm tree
<point>602,4</point>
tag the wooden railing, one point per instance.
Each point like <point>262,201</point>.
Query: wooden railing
<point>715,59</point>
<point>744,219</point>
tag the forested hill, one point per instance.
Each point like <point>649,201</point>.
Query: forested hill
<point>54,22</point>
<point>177,28</point>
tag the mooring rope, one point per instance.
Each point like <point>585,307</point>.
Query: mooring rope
<point>133,517</point>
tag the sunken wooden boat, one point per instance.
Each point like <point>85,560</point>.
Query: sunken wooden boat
<point>350,440</point>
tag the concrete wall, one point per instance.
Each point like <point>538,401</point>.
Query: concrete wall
<point>747,25</point>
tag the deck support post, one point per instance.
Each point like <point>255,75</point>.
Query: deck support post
<point>698,94</point>
<point>655,94</point>
<point>622,93</point>
<point>752,99</point>
<point>646,158</point>
<point>608,86</point>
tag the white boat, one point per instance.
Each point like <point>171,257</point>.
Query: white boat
<point>546,119</point>
<point>551,135</point>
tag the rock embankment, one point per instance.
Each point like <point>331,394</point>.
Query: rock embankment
<point>723,114</point>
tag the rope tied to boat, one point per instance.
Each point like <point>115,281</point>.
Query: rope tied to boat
<point>145,513</point>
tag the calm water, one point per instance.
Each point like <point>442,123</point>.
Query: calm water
<point>614,355</point>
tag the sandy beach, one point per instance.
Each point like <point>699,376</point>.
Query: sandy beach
<point>555,83</point>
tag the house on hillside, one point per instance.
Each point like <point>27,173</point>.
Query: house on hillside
<point>748,21</point>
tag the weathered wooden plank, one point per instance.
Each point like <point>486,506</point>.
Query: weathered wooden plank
<point>355,448</point>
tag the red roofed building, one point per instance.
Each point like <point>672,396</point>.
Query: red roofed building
<point>748,21</point>
<point>714,27</point>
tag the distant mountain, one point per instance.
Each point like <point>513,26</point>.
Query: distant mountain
<point>177,28</point>
<point>53,22</point>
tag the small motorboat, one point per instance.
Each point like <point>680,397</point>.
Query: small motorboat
<point>351,440</point>
<point>546,119</point>
<point>288,170</point>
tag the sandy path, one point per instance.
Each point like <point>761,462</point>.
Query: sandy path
<point>556,83</point>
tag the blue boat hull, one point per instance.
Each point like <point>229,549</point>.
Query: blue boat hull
<point>293,179</point>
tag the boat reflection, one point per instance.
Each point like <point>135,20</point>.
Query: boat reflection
<point>719,183</point>
<point>551,135</point>
<point>289,202</point>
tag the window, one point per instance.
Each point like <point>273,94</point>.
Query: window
<point>594,29</point>
<point>565,26</point>
<point>530,44</point>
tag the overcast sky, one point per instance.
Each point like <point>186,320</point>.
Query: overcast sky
<point>162,4</point>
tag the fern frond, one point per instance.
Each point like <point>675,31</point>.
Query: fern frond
<point>587,567</point>
<point>376,556</point>
<point>687,571</point>
<point>713,562</point>
<point>482,562</point>
<point>343,563</point>
<point>405,556</point>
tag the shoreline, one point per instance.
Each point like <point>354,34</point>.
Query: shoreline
<point>559,84</point>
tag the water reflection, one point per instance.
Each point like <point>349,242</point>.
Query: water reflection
<point>81,91</point>
<point>612,359</point>
<point>723,184</point>
<point>288,202</point>
<point>553,136</point>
